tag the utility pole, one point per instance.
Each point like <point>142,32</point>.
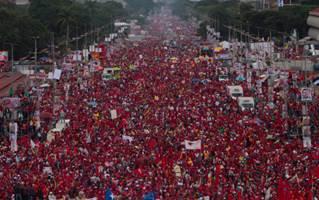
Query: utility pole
<point>77,50</point>
<point>53,69</point>
<point>53,50</point>
<point>241,33</point>
<point>36,51</point>
<point>229,34</point>
<point>270,47</point>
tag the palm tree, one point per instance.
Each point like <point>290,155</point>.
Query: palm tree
<point>65,19</point>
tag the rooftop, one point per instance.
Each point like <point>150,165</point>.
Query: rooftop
<point>314,12</point>
<point>8,80</point>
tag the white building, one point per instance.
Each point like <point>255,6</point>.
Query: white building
<point>21,2</point>
<point>313,22</point>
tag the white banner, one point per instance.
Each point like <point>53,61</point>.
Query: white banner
<point>91,48</point>
<point>307,142</point>
<point>193,145</point>
<point>85,53</point>
<point>50,75</point>
<point>98,50</point>
<point>280,3</point>
<point>113,114</point>
<point>127,138</point>
<point>262,47</point>
<point>57,74</point>
<point>77,57</point>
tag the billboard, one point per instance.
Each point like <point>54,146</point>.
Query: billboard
<point>3,56</point>
<point>265,47</point>
<point>306,94</point>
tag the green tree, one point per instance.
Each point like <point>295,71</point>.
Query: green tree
<point>65,19</point>
<point>140,6</point>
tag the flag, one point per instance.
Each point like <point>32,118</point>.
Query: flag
<point>316,81</point>
<point>57,74</point>
<point>109,195</point>
<point>149,196</point>
<point>283,190</point>
<point>32,144</point>
<point>315,172</point>
<point>193,145</point>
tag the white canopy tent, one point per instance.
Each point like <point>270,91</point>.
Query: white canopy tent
<point>246,102</point>
<point>235,91</point>
<point>225,44</point>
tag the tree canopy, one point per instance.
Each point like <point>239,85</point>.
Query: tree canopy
<point>66,18</point>
<point>280,22</point>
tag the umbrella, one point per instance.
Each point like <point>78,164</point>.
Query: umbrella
<point>99,68</point>
<point>240,78</point>
<point>92,103</point>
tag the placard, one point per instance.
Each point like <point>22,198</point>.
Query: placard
<point>113,114</point>
<point>306,94</point>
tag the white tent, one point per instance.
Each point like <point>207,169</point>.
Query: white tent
<point>235,91</point>
<point>225,44</point>
<point>117,24</point>
<point>223,77</point>
<point>246,102</point>
<point>193,145</point>
<point>133,37</point>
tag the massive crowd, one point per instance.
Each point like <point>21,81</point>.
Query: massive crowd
<point>159,106</point>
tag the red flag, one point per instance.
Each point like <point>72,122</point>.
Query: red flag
<point>217,173</point>
<point>316,172</point>
<point>240,195</point>
<point>283,190</point>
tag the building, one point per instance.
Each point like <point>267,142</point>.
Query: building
<point>16,2</point>
<point>313,22</point>
<point>263,4</point>
<point>11,80</point>
<point>21,2</point>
